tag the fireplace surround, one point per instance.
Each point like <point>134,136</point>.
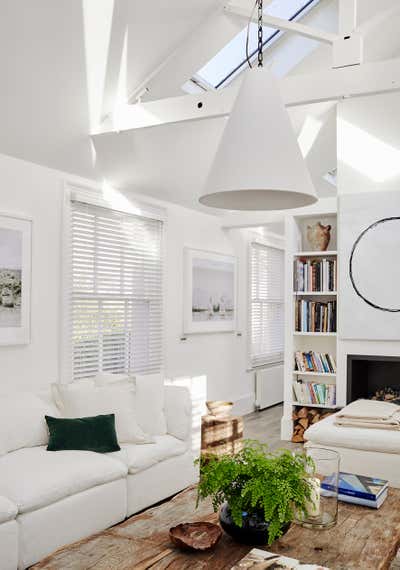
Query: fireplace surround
<point>367,374</point>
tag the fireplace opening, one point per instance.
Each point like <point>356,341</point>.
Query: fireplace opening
<point>376,377</point>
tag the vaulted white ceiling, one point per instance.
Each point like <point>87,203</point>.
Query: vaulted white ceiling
<point>65,63</point>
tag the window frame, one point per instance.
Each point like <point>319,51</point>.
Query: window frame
<point>275,244</point>
<point>97,196</point>
<point>268,42</point>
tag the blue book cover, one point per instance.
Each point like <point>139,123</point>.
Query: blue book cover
<point>361,486</point>
<point>364,502</point>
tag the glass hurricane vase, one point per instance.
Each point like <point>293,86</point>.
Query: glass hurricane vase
<point>323,480</point>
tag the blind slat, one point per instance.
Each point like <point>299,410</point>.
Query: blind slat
<point>266,304</point>
<point>116,292</point>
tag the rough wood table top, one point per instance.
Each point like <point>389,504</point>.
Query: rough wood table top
<point>364,539</point>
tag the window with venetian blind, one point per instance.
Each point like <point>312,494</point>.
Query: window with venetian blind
<point>266,304</point>
<point>116,292</point>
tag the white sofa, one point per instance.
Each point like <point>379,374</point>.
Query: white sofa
<point>8,535</point>
<point>49,499</point>
<point>371,452</point>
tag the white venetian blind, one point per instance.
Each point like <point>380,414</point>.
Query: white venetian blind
<point>266,304</point>
<point>116,291</point>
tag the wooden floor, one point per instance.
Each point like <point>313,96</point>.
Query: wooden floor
<point>265,426</point>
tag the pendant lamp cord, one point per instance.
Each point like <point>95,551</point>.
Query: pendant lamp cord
<point>260,33</point>
<point>259,5</point>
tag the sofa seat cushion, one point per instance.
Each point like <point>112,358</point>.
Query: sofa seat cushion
<point>8,511</point>
<point>326,433</point>
<point>140,457</point>
<point>33,477</point>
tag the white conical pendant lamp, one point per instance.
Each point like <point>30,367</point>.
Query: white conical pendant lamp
<point>258,164</point>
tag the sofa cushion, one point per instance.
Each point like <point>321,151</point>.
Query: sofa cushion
<point>110,379</point>
<point>94,401</point>
<point>22,422</point>
<point>140,457</point>
<point>8,511</point>
<point>328,434</point>
<point>33,478</point>
<point>150,403</point>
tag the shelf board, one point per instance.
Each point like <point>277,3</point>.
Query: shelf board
<point>297,333</point>
<point>332,293</point>
<point>326,374</point>
<point>335,407</point>
<point>314,253</point>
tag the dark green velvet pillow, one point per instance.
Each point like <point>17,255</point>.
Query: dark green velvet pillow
<point>96,433</point>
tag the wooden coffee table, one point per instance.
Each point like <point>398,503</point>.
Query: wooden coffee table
<point>364,539</point>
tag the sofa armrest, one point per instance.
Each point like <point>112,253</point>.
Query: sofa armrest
<point>184,406</point>
<point>178,411</point>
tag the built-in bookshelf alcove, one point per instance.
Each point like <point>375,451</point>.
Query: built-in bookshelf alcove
<point>367,374</point>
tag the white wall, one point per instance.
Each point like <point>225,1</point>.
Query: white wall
<point>361,168</point>
<point>221,357</point>
<point>37,191</point>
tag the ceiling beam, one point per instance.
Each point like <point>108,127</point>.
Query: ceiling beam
<point>281,24</point>
<point>330,85</point>
<point>210,34</point>
<point>347,16</point>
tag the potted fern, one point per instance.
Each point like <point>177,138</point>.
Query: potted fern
<point>259,491</point>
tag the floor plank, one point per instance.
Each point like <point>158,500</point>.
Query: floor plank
<point>265,426</point>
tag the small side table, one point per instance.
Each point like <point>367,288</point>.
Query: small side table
<point>221,435</point>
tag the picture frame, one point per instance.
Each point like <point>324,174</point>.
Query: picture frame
<point>15,279</point>
<point>210,292</point>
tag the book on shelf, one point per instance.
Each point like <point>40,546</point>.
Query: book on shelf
<point>314,393</point>
<point>262,559</point>
<point>315,316</point>
<point>359,489</point>
<point>315,275</point>
<point>315,362</point>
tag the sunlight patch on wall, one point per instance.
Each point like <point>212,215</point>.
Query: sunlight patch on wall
<point>366,153</point>
<point>308,134</point>
<point>97,19</point>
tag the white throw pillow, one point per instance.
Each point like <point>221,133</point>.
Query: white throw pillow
<point>22,422</point>
<point>150,403</point>
<point>82,401</point>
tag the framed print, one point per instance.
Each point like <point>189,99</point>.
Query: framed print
<point>15,279</point>
<point>209,292</point>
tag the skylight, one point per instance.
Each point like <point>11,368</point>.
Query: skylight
<point>231,59</point>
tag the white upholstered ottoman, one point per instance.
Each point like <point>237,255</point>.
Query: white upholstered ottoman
<point>8,535</point>
<point>372,452</point>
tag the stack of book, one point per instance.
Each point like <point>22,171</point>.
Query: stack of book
<point>313,393</point>
<point>315,362</point>
<point>315,275</point>
<point>360,490</point>
<point>313,316</point>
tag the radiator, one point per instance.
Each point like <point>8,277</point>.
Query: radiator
<point>269,386</point>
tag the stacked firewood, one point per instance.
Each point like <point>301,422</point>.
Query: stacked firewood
<point>303,418</point>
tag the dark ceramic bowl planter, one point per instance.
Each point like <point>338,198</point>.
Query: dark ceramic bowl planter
<point>254,529</point>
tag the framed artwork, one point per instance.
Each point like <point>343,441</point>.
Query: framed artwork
<point>15,279</point>
<point>209,292</point>
<point>369,267</point>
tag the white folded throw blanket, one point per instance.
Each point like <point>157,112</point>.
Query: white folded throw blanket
<point>370,414</point>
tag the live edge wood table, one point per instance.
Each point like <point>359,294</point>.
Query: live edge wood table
<point>364,539</point>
